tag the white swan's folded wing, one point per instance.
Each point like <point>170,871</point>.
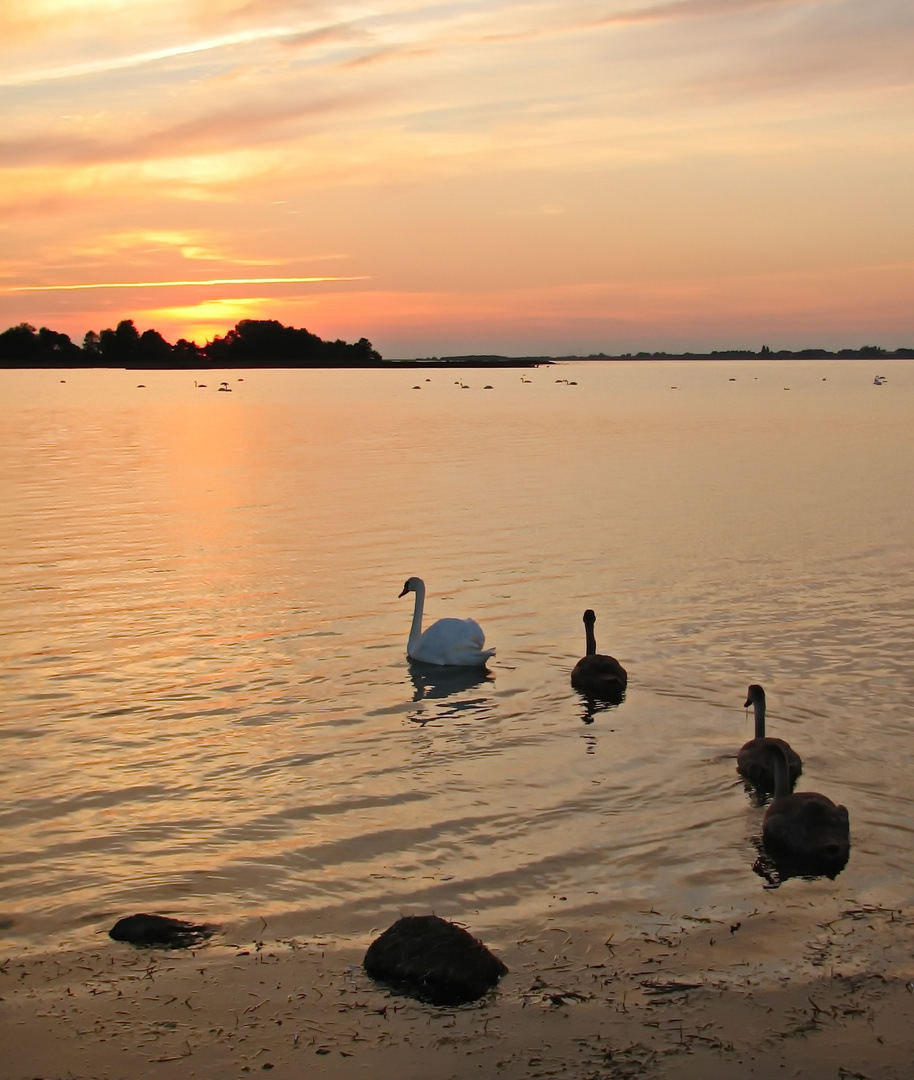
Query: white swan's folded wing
<point>474,632</point>
<point>452,641</point>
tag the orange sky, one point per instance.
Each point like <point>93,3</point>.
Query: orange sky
<point>489,176</point>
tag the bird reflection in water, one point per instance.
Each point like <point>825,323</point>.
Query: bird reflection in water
<point>594,705</point>
<point>432,682</point>
<point>776,866</point>
<point>758,799</point>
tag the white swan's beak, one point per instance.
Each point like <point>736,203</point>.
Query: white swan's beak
<point>405,591</point>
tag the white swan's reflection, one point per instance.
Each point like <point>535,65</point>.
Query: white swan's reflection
<point>434,681</point>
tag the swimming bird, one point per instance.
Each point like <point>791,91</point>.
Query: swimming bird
<point>596,675</point>
<point>756,760</point>
<point>805,824</point>
<point>447,642</point>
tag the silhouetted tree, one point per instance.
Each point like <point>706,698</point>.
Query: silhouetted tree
<point>119,348</point>
<point>364,348</point>
<point>19,345</point>
<point>152,350</point>
<point>254,341</point>
<point>267,343</point>
<point>23,346</point>
<point>186,353</point>
<point>56,348</point>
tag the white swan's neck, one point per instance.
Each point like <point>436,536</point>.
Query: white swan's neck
<point>415,631</point>
<point>758,705</point>
<point>591,639</point>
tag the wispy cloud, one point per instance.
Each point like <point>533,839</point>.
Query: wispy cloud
<point>193,246</point>
<point>219,129</point>
<point>701,9</point>
<point>71,287</point>
<point>295,34</point>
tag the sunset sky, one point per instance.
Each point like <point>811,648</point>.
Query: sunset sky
<point>511,176</point>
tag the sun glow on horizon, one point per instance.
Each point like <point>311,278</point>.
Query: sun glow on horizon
<point>209,319</point>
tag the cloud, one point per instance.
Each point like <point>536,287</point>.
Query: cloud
<point>139,59</point>
<point>676,10</point>
<point>191,246</point>
<point>222,129</point>
<point>181,283</point>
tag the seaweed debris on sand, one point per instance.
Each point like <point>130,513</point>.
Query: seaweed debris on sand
<point>769,990</point>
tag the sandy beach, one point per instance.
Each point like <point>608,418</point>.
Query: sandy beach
<point>692,998</point>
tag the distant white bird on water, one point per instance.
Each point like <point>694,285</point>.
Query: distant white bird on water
<point>447,642</point>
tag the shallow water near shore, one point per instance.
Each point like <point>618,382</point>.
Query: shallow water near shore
<point>207,708</point>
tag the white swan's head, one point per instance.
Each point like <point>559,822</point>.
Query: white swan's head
<point>413,584</point>
<point>756,693</point>
<point>589,617</point>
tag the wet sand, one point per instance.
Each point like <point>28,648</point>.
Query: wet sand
<point>687,999</point>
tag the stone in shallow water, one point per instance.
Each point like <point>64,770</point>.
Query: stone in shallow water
<point>160,930</point>
<point>434,960</point>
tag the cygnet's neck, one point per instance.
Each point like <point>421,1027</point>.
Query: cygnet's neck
<point>758,704</point>
<point>781,772</point>
<point>591,639</point>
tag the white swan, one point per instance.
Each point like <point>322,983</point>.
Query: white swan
<point>447,642</point>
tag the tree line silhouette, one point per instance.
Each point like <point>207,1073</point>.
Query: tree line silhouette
<point>267,343</point>
<point>866,352</point>
<point>252,343</point>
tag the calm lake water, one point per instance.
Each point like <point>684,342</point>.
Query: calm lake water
<point>207,708</point>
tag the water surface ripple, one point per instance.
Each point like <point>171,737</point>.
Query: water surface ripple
<point>207,707</point>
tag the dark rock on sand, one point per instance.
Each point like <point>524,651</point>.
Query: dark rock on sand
<point>433,960</point>
<point>160,930</point>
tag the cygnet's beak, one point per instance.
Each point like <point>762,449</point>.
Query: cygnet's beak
<point>746,706</point>
<point>405,591</point>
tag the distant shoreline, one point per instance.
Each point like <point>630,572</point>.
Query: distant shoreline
<point>266,343</point>
<point>481,361</point>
